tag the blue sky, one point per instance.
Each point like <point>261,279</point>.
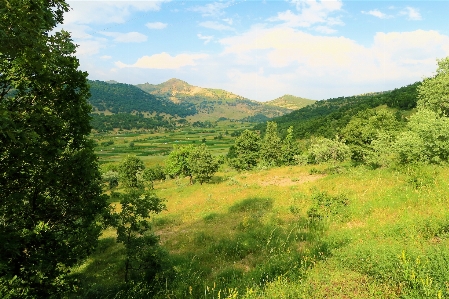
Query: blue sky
<point>262,49</point>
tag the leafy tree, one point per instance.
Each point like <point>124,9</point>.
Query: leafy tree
<point>289,148</point>
<point>153,174</point>
<point>130,170</point>
<point>270,149</point>
<point>433,94</point>
<point>134,231</point>
<point>49,179</point>
<point>177,163</point>
<point>365,127</point>
<point>425,140</point>
<point>202,164</point>
<point>247,147</point>
<point>328,150</point>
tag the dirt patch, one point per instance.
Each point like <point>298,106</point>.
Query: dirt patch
<point>290,181</point>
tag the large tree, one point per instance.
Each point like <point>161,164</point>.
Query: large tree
<point>50,194</point>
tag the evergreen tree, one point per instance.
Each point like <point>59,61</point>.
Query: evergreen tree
<point>50,186</point>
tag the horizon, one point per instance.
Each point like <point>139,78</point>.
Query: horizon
<point>262,50</point>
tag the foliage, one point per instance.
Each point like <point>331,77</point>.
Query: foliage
<point>130,170</point>
<point>434,91</point>
<point>49,179</point>
<point>289,149</point>
<point>327,150</point>
<point>270,146</point>
<point>202,164</point>
<point>153,174</point>
<point>365,127</point>
<point>126,121</point>
<point>247,147</point>
<point>134,231</point>
<point>425,140</point>
<point>177,163</point>
<point>112,178</point>
<point>328,117</point>
<point>126,98</point>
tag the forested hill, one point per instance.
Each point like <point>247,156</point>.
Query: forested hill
<point>327,117</point>
<point>126,98</point>
<point>212,104</point>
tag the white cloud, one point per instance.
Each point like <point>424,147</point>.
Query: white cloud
<point>105,57</point>
<point>206,39</point>
<point>411,13</point>
<point>376,13</point>
<point>105,12</point>
<point>325,30</point>
<point>156,25</point>
<point>229,21</point>
<point>341,64</point>
<point>130,37</point>
<point>214,9</point>
<point>214,25</point>
<point>310,12</point>
<point>164,61</point>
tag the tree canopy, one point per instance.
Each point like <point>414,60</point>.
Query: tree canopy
<point>49,179</point>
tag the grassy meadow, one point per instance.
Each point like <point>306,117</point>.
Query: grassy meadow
<point>312,231</point>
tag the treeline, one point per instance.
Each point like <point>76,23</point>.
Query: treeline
<point>327,118</point>
<point>126,121</point>
<point>126,98</point>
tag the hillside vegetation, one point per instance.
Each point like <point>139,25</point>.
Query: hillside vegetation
<point>290,102</point>
<point>213,104</point>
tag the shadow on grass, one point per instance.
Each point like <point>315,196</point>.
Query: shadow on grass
<point>242,248</point>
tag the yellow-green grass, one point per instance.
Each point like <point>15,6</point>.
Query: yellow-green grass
<point>395,225</point>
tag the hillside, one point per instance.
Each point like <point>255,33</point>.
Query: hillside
<point>290,102</point>
<point>327,117</point>
<point>126,98</point>
<point>212,104</point>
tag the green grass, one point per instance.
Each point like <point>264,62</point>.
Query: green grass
<point>290,232</point>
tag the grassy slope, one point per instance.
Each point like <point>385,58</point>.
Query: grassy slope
<point>290,102</point>
<point>218,246</point>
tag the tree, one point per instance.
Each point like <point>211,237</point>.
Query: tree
<point>134,230</point>
<point>153,174</point>
<point>326,150</point>
<point>202,164</point>
<point>247,146</point>
<point>270,148</point>
<point>130,170</point>
<point>433,93</point>
<point>177,162</point>
<point>289,148</point>
<point>51,195</point>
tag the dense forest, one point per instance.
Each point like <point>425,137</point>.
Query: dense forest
<point>126,98</point>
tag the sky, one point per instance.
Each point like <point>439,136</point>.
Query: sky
<point>262,49</point>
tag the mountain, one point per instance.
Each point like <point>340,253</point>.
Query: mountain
<point>125,98</point>
<point>327,117</point>
<point>212,104</point>
<point>290,102</point>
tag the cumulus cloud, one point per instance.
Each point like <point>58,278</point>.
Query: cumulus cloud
<point>337,62</point>
<point>164,61</point>
<point>215,25</point>
<point>156,25</point>
<point>376,13</point>
<point>130,37</point>
<point>411,13</point>
<point>310,12</point>
<point>206,39</point>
